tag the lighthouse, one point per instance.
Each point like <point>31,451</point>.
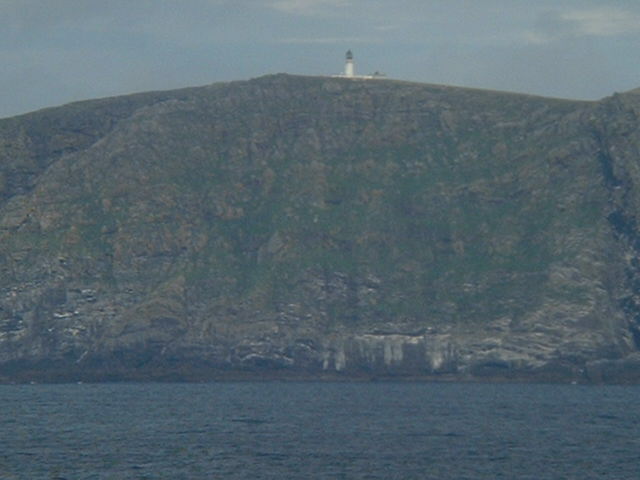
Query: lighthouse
<point>348,67</point>
<point>350,70</point>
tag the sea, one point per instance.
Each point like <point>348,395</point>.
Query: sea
<point>306,430</point>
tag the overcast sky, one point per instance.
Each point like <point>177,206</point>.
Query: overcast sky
<point>56,51</point>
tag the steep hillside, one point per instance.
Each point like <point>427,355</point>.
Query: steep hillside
<point>306,226</point>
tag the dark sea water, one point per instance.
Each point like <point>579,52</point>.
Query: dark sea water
<point>319,430</point>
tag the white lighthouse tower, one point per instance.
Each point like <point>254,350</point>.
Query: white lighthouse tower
<point>349,71</point>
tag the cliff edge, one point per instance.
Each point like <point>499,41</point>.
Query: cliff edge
<point>312,227</point>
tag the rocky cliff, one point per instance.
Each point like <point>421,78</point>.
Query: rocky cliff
<point>313,227</point>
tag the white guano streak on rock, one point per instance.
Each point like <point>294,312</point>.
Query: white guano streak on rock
<point>388,349</point>
<point>340,359</point>
<point>392,346</point>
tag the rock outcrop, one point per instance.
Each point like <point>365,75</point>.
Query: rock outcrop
<point>321,227</point>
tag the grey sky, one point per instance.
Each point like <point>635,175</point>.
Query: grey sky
<point>57,51</point>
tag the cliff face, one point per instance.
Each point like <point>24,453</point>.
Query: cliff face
<point>312,226</point>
